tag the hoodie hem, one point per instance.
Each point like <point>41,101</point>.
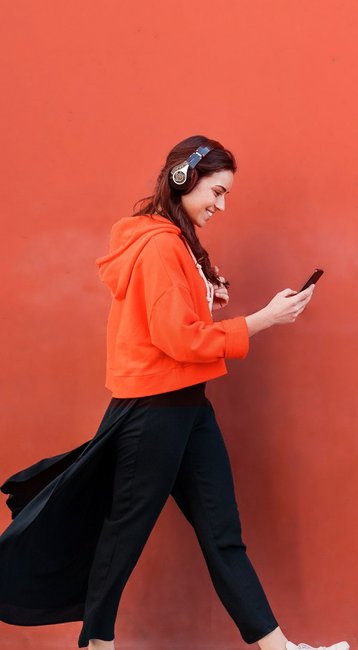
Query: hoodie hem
<point>174,379</point>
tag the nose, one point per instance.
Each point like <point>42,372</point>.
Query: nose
<point>220,202</point>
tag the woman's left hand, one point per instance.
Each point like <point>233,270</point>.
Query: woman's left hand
<point>221,295</point>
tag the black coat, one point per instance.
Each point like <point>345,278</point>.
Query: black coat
<point>58,506</point>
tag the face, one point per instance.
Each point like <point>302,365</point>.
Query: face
<point>207,197</point>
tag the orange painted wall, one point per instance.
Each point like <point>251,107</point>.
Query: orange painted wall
<point>94,95</point>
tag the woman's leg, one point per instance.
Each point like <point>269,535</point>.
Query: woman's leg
<point>149,450</point>
<point>275,640</point>
<point>204,490</point>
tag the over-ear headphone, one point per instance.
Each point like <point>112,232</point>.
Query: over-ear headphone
<point>180,175</point>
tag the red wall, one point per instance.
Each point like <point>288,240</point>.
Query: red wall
<point>94,95</point>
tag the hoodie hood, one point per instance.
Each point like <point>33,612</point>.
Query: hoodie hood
<point>128,237</point>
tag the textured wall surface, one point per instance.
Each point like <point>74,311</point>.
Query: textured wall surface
<point>94,95</point>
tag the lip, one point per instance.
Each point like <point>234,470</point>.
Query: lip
<point>209,211</point>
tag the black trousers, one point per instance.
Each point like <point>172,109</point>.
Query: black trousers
<point>171,444</point>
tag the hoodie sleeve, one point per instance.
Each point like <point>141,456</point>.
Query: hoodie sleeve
<point>176,329</point>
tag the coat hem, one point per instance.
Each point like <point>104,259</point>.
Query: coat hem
<point>23,616</point>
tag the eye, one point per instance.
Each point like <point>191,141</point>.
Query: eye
<point>216,193</point>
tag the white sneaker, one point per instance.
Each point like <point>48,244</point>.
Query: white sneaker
<point>342,645</point>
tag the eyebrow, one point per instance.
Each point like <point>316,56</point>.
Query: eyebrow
<point>223,188</point>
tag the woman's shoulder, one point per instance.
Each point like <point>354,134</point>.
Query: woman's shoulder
<point>166,244</point>
<point>165,255</point>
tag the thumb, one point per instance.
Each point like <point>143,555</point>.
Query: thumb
<point>288,292</point>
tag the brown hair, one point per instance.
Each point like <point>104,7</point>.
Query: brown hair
<point>167,202</point>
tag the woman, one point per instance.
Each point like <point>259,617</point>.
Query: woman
<point>159,435</point>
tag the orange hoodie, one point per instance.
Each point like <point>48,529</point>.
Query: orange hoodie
<point>160,331</point>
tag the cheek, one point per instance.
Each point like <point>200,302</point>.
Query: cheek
<point>198,200</point>
<point>205,199</point>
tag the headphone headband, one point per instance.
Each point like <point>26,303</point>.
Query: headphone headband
<point>198,154</point>
<point>180,175</point>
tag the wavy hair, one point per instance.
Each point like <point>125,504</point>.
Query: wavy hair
<point>167,202</point>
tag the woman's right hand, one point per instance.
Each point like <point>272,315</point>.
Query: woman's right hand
<point>286,305</point>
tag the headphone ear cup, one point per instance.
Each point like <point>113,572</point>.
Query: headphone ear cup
<point>180,187</point>
<point>189,183</point>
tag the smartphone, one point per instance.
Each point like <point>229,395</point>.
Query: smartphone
<point>312,279</point>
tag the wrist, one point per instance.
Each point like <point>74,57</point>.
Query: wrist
<point>259,320</point>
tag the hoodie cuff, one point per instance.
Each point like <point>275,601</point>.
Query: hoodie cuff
<point>236,337</point>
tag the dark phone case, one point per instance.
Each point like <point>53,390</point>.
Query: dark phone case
<point>313,279</point>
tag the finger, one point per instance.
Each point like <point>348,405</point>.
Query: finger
<point>304,296</point>
<point>287,292</point>
<point>307,292</point>
<point>303,307</point>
